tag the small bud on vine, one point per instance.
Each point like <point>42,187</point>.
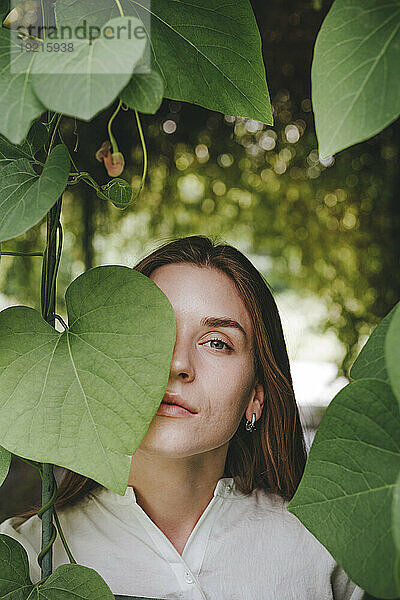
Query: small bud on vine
<point>103,151</point>
<point>114,162</point>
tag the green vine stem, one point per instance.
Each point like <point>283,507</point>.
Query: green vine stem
<point>78,176</point>
<point>121,12</point>
<point>110,134</point>
<point>85,176</point>
<point>63,323</point>
<point>54,132</point>
<point>57,521</point>
<point>39,467</point>
<point>53,219</point>
<point>88,179</point>
<point>143,142</point>
<point>70,156</point>
<point>51,260</point>
<point>59,249</point>
<point>64,541</point>
<point>3,253</point>
<point>49,533</point>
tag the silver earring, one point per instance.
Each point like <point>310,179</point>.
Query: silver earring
<point>250,424</point>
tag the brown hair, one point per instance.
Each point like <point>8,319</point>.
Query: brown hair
<point>273,456</point>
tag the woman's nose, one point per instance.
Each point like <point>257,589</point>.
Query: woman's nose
<point>182,362</point>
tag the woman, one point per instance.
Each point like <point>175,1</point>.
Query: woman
<point>204,515</point>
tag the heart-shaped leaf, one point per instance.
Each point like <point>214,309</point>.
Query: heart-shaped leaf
<point>19,105</point>
<point>5,461</point>
<point>355,72</point>
<point>144,92</point>
<point>345,496</point>
<point>68,582</point>
<point>26,197</point>
<point>118,191</point>
<point>392,351</point>
<point>15,582</point>
<point>371,360</point>
<point>37,137</point>
<point>84,398</point>
<point>90,77</point>
<point>211,57</point>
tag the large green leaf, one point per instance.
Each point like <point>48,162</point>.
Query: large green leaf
<point>94,12</point>
<point>396,516</point>
<point>83,82</point>
<point>345,496</point>
<point>19,105</point>
<point>371,360</point>
<point>144,92</point>
<point>5,461</point>
<point>208,54</point>
<point>26,197</point>
<point>37,137</point>
<point>84,398</point>
<point>355,72</point>
<point>68,582</point>
<point>397,573</point>
<point>392,351</point>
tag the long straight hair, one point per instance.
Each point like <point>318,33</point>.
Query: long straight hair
<point>273,456</point>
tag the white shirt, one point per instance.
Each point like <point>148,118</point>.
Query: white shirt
<point>243,547</point>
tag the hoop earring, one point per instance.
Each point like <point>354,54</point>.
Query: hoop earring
<point>250,424</point>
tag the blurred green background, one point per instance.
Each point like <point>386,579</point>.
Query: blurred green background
<point>325,234</point>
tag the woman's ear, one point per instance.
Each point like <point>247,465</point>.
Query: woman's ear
<point>256,403</point>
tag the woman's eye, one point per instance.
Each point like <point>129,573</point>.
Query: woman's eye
<point>218,344</point>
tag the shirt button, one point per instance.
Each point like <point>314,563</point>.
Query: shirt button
<point>188,577</point>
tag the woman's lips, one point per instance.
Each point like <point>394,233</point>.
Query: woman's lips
<point>173,405</point>
<point>173,410</point>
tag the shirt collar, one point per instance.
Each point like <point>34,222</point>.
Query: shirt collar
<point>225,487</point>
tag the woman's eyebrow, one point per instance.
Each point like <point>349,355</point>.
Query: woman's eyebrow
<point>221,322</point>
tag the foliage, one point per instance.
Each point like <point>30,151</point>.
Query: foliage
<point>37,137</point>
<point>25,196</point>
<point>67,580</point>
<point>356,87</point>
<point>326,228</point>
<point>100,381</point>
<point>353,466</point>
<point>392,353</point>
<point>118,191</point>
<point>5,461</point>
<point>347,497</point>
<point>78,87</point>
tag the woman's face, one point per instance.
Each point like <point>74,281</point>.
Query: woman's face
<point>212,367</point>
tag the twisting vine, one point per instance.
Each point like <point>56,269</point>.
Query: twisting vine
<point>51,260</point>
